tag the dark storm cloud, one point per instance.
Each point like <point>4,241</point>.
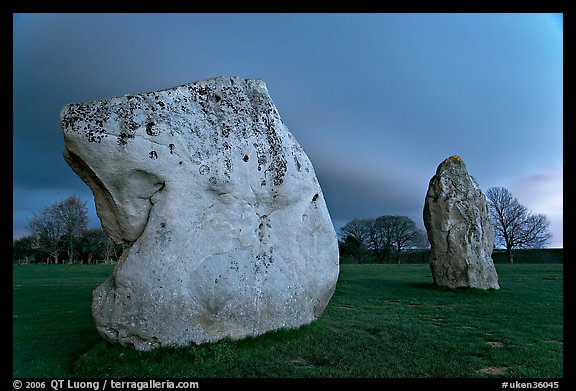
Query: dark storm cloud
<point>376,100</point>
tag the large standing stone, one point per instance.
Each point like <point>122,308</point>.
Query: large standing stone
<point>459,231</point>
<point>226,229</point>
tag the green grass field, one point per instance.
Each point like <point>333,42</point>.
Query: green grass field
<point>383,321</point>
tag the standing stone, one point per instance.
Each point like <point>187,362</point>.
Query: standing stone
<point>225,227</point>
<point>459,231</point>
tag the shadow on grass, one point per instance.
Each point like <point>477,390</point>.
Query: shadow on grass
<point>429,287</point>
<point>466,291</point>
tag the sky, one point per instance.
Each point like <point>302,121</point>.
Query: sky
<point>377,101</point>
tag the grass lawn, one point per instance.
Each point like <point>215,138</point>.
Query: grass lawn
<point>383,321</point>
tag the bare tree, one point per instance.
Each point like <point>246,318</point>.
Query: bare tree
<point>514,225</point>
<point>47,232</point>
<point>58,227</point>
<point>356,234</point>
<point>405,234</point>
<point>387,227</point>
<point>379,237</point>
<point>72,211</point>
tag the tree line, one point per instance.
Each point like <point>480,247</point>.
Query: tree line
<point>386,236</point>
<point>59,234</point>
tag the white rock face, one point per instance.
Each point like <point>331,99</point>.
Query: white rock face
<point>459,231</point>
<point>226,227</point>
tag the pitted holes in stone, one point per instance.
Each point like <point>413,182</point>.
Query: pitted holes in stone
<point>204,169</point>
<point>262,227</point>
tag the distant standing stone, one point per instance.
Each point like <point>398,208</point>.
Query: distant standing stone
<point>224,223</point>
<point>459,230</point>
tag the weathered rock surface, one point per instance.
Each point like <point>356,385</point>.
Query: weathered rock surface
<point>226,229</point>
<point>459,231</point>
